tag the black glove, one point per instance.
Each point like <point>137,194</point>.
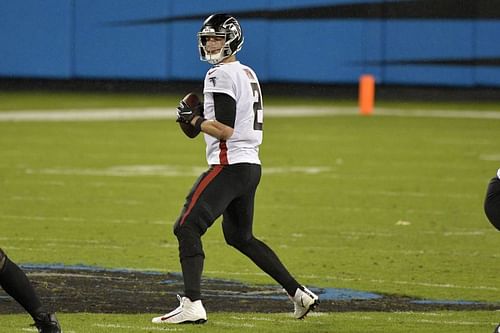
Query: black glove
<point>185,113</point>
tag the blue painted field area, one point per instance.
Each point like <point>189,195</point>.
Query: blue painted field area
<point>234,289</point>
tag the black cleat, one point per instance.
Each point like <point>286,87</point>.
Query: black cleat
<point>47,323</point>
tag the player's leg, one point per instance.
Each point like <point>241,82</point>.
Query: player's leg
<point>237,226</point>
<point>237,229</point>
<point>204,204</point>
<point>206,201</point>
<point>15,282</point>
<point>492,202</point>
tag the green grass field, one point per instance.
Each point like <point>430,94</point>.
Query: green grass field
<point>382,204</point>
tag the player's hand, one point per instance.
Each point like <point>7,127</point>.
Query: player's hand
<point>185,113</point>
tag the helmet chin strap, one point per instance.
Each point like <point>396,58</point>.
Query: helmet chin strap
<point>216,58</point>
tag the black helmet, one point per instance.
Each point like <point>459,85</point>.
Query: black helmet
<point>220,25</point>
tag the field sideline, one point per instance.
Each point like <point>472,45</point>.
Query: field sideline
<point>390,204</point>
<point>109,114</point>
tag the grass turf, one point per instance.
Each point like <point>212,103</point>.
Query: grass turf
<point>383,204</point>
<point>353,322</point>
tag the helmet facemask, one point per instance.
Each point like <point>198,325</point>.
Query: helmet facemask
<point>213,58</point>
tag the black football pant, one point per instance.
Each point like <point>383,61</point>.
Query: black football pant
<point>492,202</point>
<point>227,190</point>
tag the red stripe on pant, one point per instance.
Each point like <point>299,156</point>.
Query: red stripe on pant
<point>200,188</point>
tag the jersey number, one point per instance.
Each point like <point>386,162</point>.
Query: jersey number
<point>257,108</point>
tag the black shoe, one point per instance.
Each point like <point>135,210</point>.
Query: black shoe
<point>47,323</point>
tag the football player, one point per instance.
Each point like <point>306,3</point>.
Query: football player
<point>15,282</point>
<point>492,201</point>
<point>232,123</point>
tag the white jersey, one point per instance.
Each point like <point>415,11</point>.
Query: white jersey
<point>241,83</point>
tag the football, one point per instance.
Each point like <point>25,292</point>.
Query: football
<point>192,101</point>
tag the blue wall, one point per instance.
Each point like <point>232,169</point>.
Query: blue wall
<point>36,38</point>
<point>316,41</point>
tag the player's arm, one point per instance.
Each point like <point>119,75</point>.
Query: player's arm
<point>222,127</point>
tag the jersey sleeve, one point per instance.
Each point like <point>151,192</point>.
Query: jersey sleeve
<point>225,109</point>
<point>218,81</point>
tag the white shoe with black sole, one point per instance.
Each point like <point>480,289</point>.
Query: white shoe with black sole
<point>304,301</point>
<point>187,312</point>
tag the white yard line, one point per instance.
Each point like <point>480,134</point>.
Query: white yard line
<point>424,321</point>
<point>87,115</point>
<point>471,114</point>
<point>167,171</point>
<point>143,328</point>
<point>35,330</point>
<point>169,113</point>
<point>77,219</point>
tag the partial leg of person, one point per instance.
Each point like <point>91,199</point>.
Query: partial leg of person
<point>15,282</point>
<point>492,202</point>
<point>205,202</point>
<point>237,227</point>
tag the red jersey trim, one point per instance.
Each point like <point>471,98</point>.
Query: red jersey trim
<point>223,152</point>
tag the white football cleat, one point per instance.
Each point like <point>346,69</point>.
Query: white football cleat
<point>187,313</point>
<point>304,301</point>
